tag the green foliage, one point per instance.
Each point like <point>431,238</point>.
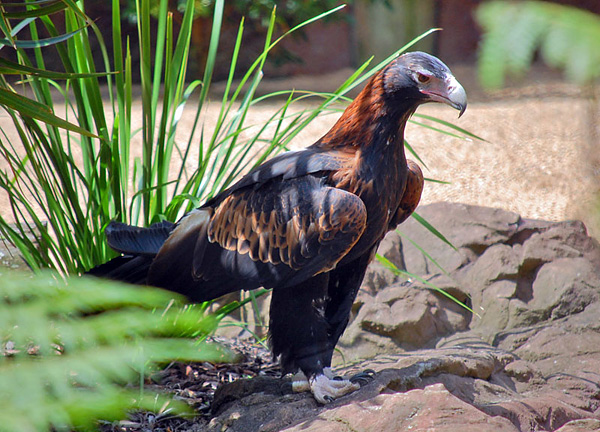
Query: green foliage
<point>566,37</point>
<point>69,346</point>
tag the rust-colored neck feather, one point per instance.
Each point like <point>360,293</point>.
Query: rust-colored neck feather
<point>372,119</point>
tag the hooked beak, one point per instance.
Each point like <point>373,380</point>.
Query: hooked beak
<point>450,93</point>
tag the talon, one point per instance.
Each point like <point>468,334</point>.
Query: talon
<point>363,378</point>
<point>338,378</point>
<point>328,398</point>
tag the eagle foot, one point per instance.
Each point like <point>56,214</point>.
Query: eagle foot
<point>300,383</point>
<point>326,390</point>
<point>361,378</point>
<point>325,387</point>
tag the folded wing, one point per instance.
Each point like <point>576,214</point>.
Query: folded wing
<point>274,234</point>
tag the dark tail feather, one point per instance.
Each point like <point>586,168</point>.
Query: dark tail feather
<point>139,246</point>
<point>131,240</point>
<point>126,268</point>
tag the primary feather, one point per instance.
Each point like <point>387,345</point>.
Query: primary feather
<point>305,223</point>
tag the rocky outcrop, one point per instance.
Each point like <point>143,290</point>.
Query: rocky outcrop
<point>525,357</point>
<point>513,273</point>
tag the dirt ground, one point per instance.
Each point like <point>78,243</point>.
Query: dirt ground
<point>538,157</point>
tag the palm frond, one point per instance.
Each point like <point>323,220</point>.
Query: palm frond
<point>566,37</point>
<point>69,346</point>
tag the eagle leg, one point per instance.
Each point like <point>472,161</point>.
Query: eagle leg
<point>303,344</point>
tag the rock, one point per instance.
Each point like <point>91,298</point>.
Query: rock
<point>470,229</point>
<point>431,408</point>
<point>540,412</point>
<point>567,239</point>
<point>378,276</point>
<point>569,346</point>
<point>265,404</point>
<point>522,371</point>
<point>259,404</point>
<point>565,286</point>
<point>468,385</point>
<point>498,262</point>
<point>553,290</point>
<point>528,360</point>
<point>410,315</point>
<point>493,305</point>
<point>585,425</point>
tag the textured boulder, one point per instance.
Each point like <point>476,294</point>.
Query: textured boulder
<point>405,316</point>
<point>463,383</point>
<point>585,425</point>
<point>527,360</point>
<point>377,274</point>
<point>516,272</point>
<point>431,408</point>
<point>470,229</point>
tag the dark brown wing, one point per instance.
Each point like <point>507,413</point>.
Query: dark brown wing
<point>275,235</point>
<point>412,195</point>
<point>289,165</point>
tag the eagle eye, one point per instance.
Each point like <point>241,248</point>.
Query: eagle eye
<point>423,78</point>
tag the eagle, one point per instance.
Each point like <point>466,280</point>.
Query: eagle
<point>305,224</point>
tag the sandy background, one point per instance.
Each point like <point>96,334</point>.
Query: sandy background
<point>538,157</point>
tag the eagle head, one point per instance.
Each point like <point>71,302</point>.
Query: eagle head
<point>424,78</point>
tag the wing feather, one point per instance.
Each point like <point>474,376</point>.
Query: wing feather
<point>298,225</point>
<point>289,165</point>
<point>132,240</point>
<point>411,197</point>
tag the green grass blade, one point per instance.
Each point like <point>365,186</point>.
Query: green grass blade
<point>449,125</point>
<point>392,267</point>
<point>432,229</point>
<point>414,153</point>
<point>437,181</point>
<point>30,108</point>
<point>39,43</point>
<point>51,8</point>
<point>433,128</point>
<point>8,67</point>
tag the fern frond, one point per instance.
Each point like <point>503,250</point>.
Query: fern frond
<point>69,346</point>
<point>566,38</point>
